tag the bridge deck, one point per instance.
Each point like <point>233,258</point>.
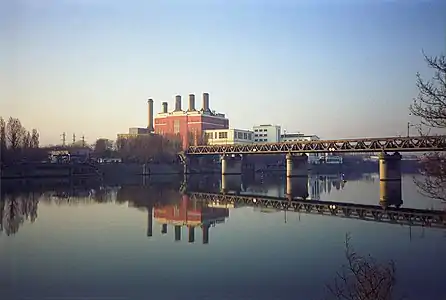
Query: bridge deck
<point>404,216</point>
<point>389,144</point>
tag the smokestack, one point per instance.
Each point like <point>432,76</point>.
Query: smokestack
<point>150,115</point>
<point>191,102</point>
<point>178,103</point>
<point>164,104</point>
<point>205,102</point>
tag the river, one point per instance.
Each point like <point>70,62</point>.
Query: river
<point>96,242</point>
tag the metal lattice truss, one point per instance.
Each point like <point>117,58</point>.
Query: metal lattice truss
<point>391,144</point>
<point>403,216</point>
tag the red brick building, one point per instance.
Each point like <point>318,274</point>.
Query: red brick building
<point>187,124</point>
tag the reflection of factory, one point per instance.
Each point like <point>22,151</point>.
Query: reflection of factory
<point>191,214</point>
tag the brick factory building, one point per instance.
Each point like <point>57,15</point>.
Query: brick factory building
<point>188,124</point>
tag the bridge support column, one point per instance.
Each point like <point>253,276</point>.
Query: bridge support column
<point>297,187</point>
<point>390,193</point>
<point>231,183</point>
<point>389,166</point>
<point>231,165</point>
<point>296,165</point>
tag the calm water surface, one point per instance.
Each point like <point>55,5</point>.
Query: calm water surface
<point>97,243</point>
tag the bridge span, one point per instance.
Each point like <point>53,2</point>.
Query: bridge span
<point>386,144</point>
<point>402,216</point>
<point>296,153</point>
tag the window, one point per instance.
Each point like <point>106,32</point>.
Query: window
<point>223,135</point>
<point>176,126</point>
<point>245,136</point>
<point>239,135</point>
<point>249,136</point>
<point>255,140</point>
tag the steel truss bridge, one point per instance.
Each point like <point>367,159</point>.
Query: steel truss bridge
<point>389,144</point>
<point>374,213</point>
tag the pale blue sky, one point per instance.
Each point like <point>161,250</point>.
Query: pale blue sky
<point>333,68</point>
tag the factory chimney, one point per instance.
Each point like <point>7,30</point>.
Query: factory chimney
<point>164,104</point>
<point>150,115</point>
<point>178,103</point>
<point>191,102</point>
<point>205,102</point>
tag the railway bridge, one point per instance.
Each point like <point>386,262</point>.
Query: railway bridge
<point>389,149</point>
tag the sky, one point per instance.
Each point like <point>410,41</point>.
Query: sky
<point>338,69</point>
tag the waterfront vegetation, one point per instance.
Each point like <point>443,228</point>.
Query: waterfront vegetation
<point>430,107</point>
<point>16,142</point>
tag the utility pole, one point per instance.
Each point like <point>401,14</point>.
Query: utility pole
<point>64,136</point>
<point>83,141</point>
<point>74,138</point>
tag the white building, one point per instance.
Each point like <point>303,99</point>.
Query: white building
<point>295,137</point>
<point>266,133</point>
<point>314,158</point>
<point>229,136</point>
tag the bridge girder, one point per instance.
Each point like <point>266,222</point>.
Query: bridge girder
<point>389,144</point>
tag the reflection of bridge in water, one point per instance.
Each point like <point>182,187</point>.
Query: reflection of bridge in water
<point>404,216</point>
<point>204,202</point>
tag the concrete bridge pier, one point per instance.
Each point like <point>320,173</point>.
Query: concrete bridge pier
<point>390,187</point>
<point>390,193</point>
<point>297,187</point>
<point>389,166</point>
<point>231,165</point>
<point>296,165</point>
<point>231,183</point>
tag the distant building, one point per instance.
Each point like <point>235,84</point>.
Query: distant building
<point>69,154</point>
<point>188,124</point>
<point>295,137</point>
<point>138,130</point>
<point>134,132</point>
<point>267,134</point>
<point>229,137</point>
<point>313,158</point>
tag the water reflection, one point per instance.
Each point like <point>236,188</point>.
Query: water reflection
<point>190,214</point>
<point>202,202</point>
<point>258,241</point>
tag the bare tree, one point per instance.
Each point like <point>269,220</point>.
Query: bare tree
<point>430,107</point>
<point>2,139</point>
<point>35,139</point>
<point>14,133</point>
<point>26,144</point>
<point>363,278</point>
